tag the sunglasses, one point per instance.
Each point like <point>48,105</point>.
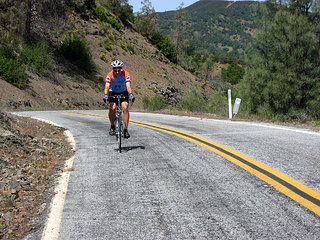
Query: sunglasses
<point>117,69</point>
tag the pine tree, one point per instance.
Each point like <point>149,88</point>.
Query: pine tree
<point>283,69</point>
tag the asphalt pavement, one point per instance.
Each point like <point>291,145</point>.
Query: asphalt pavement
<point>165,186</point>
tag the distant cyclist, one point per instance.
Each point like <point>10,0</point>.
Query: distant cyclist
<point>118,81</point>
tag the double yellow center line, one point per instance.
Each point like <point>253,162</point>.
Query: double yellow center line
<point>288,186</point>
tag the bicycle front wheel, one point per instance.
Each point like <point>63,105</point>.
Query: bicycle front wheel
<point>119,134</point>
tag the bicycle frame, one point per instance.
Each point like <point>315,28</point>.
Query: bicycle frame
<point>119,121</point>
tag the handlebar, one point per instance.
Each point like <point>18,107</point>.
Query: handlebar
<point>119,96</point>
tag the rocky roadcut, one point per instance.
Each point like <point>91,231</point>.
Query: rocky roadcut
<point>32,156</point>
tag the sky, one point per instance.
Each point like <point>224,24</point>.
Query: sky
<point>162,5</point>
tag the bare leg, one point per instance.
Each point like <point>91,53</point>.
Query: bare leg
<point>112,113</point>
<point>125,111</point>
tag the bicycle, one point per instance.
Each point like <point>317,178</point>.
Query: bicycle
<point>119,121</point>
<point>119,126</point>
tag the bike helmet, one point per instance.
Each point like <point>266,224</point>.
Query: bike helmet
<point>117,64</point>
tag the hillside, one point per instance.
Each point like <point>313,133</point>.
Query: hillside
<point>66,86</point>
<point>221,27</point>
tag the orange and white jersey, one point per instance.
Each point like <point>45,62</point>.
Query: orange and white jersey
<point>118,84</point>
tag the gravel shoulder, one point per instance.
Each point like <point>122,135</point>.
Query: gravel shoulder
<point>32,157</point>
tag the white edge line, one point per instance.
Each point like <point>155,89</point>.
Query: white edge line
<point>266,125</point>
<point>274,126</point>
<point>283,128</point>
<point>52,228</point>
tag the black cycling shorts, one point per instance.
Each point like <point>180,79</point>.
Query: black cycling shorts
<point>113,99</point>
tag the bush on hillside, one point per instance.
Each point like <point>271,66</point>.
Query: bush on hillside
<point>218,103</point>
<point>101,13</point>
<point>13,72</point>
<point>120,8</point>
<point>153,104</point>
<point>36,57</point>
<point>103,17</point>
<point>114,23</point>
<point>193,101</point>
<point>164,44</point>
<point>16,57</point>
<point>233,74</point>
<point>126,14</point>
<point>76,49</point>
<point>81,6</point>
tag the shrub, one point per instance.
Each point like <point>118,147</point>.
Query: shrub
<point>153,104</point>
<point>81,6</point>
<point>36,57</point>
<point>123,45</point>
<point>131,47</point>
<point>166,47</point>
<point>114,23</point>
<point>111,36</point>
<point>13,72</point>
<point>16,56</point>
<point>104,28</point>
<point>101,13</point>
<point>107,44</point>
<point>193,101</point>
<point>126,13</point>
<point>103,17</point>
<point>233,74</point>
<point>103,56</point>
<point>218,103</point>
<point>77,51</point>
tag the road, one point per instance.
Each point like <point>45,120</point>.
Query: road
<point>190,178</point>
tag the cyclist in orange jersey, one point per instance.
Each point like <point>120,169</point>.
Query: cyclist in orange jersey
<point>118,81</point>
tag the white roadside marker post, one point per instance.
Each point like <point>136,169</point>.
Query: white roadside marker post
<point>230,104</point>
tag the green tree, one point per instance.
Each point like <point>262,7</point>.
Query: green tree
<point>121,8</point>
<point>233,74</point>
<point>146,19</point>
<point>116,3</point>
<point>282,78</point>
<point>182,36</point>
<point>164,44</point>
<point>126,13</point>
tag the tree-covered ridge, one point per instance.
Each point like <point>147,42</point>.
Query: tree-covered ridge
<point>221,27</point>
